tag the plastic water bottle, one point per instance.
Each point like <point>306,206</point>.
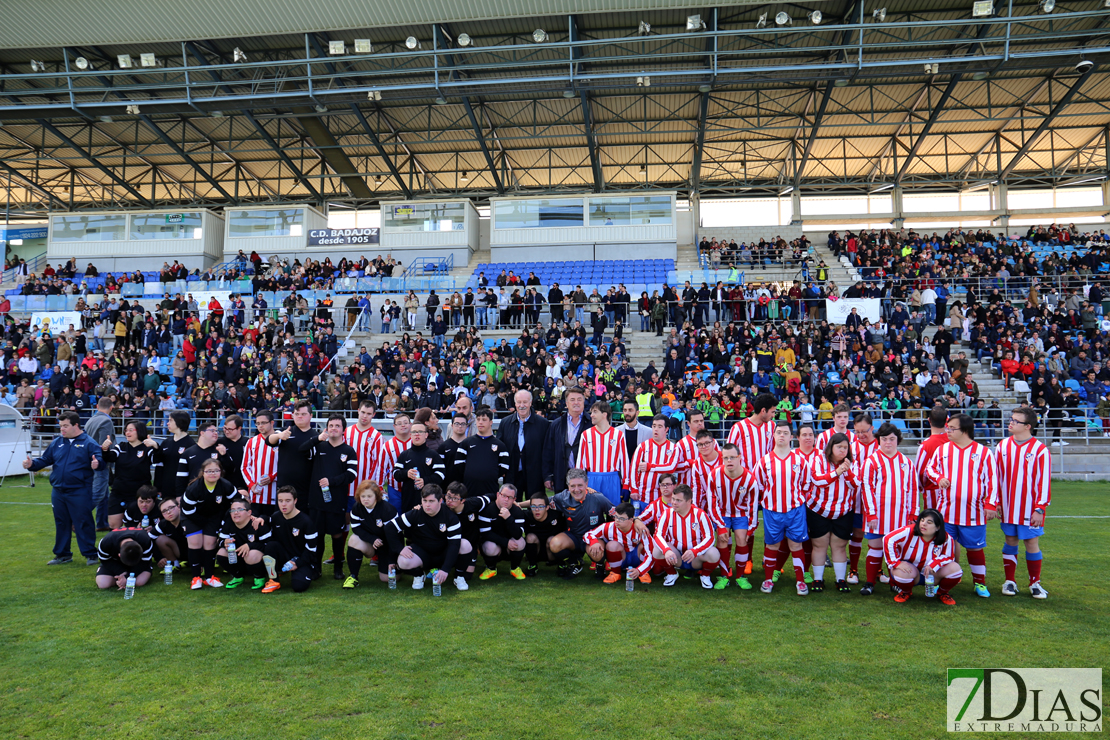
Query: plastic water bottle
<point>169,573</point>
<point>326,493</point>
<point>146,521</point>
<point>232,556</point>
<point>393,577</point>
<point>437,588</point>
<point>930,586</point>
<point>129,590</point>
<point>629,581</point>
<point>287,567</point>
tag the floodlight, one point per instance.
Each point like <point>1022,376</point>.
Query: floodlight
<point>980,76</point>
<point>81,63</point>
<point>643,168</point>
<point>321,108</point>
<point>982,8</point>
<point>148,60</point>
<point>539,35</point>
<point>374,95</point>
<point>762,22</point>
<point>412,43</point>
<point>440,100</point>
<point>378,179</point>
<point>363,46</point>
<point>879,14</point>
<point>1084,66</point>
<point>105,119</point>
<point>694,23</point>
<point>125,61</point>
<point>705,88</point>
<point>463,40</point>
<point>644,28</point>
<point>815,17</point>
<point>239,56</point>
<point>841,82</point>
<point>931,68</point>
<point>782,18</point>
<point>569,92</point>
<point>1047,6</point>
<point>37,66</point>
<point>133,110</point>
<point>337,48</point>
<point>464,177</point>
<point>643,81</point>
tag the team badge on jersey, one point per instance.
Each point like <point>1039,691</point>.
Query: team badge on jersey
<point>215,455</point>
<point>250,538</point>
<point>379,522</point>
<point>493,448</point>
<point>593,521</point>
<point>219,499</point>
<point>470,517</point>
<point>427,461</point>
<point>296,532</point>
<point>442,527</point>
<point>1029,456</point>
<point>342,458</point>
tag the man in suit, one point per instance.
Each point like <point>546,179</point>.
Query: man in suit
<point>524,433</point>
<point>633,431</point>
<point>560,452</point>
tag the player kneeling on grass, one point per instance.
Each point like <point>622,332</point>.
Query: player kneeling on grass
<point>545,534</point>
<point>121,552</point>
<point>369,518</point>
<point>169,534</point>
<point>291,544</point>
<point>922,549</point>
<point>684,538</point>
<point>623,545</point>
<point>434,537</point>
<point>242,532</point>
<point>501,529</point>
<point>781,475</point>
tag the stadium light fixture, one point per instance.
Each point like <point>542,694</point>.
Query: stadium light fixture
<point>782,18</point>
<point>374,95</point>
<point>337,48</point>
<point>148,60</point>
<point>464,177</point>
<point>133,110</point>
<point>440,100</point>
<point>569,93</point>
<point>412,43</point>
<point>239,56</point>
<point>815,17</point>
<point>982,8</point>
<point>879,14</point>
<point>125,61</point>
<point>1106,3</point>
<point>37,66</point>
<point>644,81</point>
<point>980,76</point>
<point>643,168</point>
<point>841,82</point>
<point>464,40</point>
<point>105,119</point>
<point>81,63</point>
<point>1046,6</point>
<point>321,108</point>
<point>705,88</point>
<point>644,28</point>
<point>378,179</point>
<point>539,36</point>
<point>694,23</point>
<point>363,46</point>
<point>762,22</point>
<point>932,68</point>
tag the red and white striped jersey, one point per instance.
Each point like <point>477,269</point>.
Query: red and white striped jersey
<point>660,458</point>
<point>860,453</point>
<point>902,546</point>
<point>731,497</point>
<point>368,448</point>
<point>1024,478</point>
<point>259,461</point>
<point>972,483</point>
<point>890,492</point>
<point>688,450</point>
<point>699,478</point>
<point>630,540</point>
<point>391,450</point>
<point>925,453</point>
<point>824,437</point>
<point>603,453</point>
<point>781,481</point>
<point>830,495</point>
<point>694,532</point>
<point>754,441</point>
<point>809,457</point>
<point>654,512</point>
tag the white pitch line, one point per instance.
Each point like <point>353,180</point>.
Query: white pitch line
<point>26,503</point>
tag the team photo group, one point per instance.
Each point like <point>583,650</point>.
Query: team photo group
<point>624,503</point>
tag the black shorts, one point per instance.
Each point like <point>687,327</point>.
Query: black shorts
<point>820,526</point>
<point>209,527</point>
<point>115,568</point>
<point>264,510</point>
<point>429,561</point>
<point>118,504</point>
<point>329,522</point>
<point>178,538</point>
<point>502,542</point>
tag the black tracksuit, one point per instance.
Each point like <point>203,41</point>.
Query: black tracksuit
<point>480,463</point>
<point>427,463</point>
<point>133,468</point>
<point>293,467</point>
<point>293,539</point>
<point>433,539</point>
<point>370,526</point>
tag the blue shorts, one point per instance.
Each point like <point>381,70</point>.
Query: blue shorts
<point>607,484</point>
<point>639,506</point>
<point>969,537</point>
<point>736,523</point>
<point>393,496</point>
<point>686,566</point>
<point>792,524</point>
<point>873,536</point>
<point>1021,531</point>
<point>632,559</point>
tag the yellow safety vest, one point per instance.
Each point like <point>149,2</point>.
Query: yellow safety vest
<point>644,401</point>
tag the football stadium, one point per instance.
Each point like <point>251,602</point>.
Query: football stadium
<point>540,369</point>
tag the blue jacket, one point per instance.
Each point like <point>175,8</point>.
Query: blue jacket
<point>71,460</point>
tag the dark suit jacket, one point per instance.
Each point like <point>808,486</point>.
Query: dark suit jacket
<point>529,479</point>
<point>555,451</point>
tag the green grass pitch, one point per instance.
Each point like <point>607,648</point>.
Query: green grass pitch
<point>537,659</point>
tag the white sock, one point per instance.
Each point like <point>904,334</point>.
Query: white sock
<point>841,570</point>
<point>818,572</point>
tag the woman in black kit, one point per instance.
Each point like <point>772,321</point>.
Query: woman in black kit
<point>170,451</point>
<point>368,519</point>
<point>204,505</point>
<point>134,461</point>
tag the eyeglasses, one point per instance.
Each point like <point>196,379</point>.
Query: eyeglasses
<point>238,511</point>
<point>537,507</point>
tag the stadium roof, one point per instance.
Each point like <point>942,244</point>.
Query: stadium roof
<point>597,104</point>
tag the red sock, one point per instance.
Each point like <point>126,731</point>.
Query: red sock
<point>656,569</point>
<point>977,560</point>
<point>669,569</point>
<point>1034,567</point>
<point>1009,566</point>
<point>770,558</point>
<point>723,563</point>
<point>949,582</point>
<point>854,549</point>
<point>707,568</point>
<point>743,555</point>
<point>799,570</point>
<point>807,558</point>
<point>780,560</point>
<point>874,564</point>
<point>905,587</point>
<point>614,559</point>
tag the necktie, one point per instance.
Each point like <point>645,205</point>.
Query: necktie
<point>520,441</point>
